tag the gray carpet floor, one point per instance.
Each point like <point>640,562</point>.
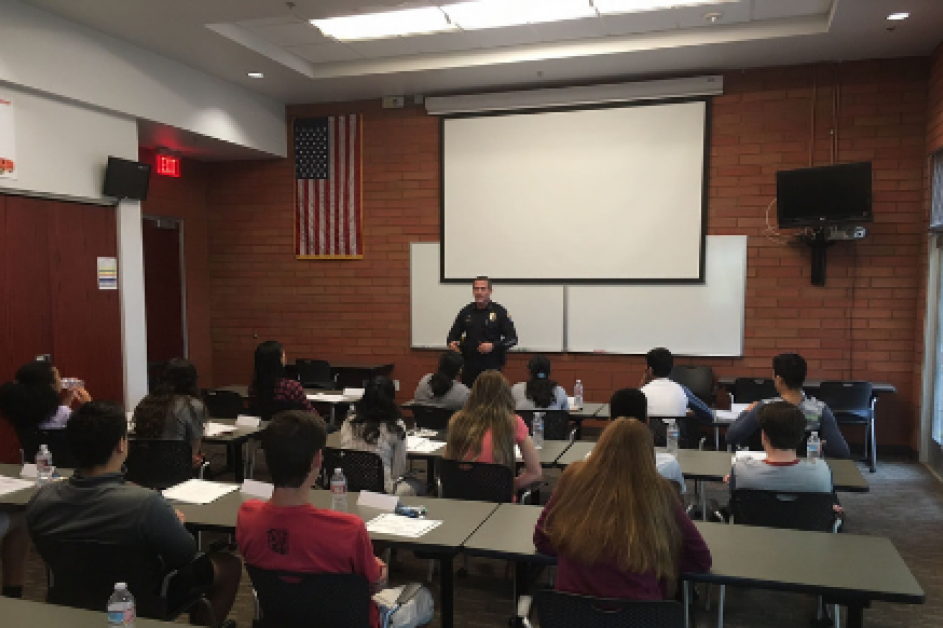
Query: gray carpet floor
<point>905,504</point>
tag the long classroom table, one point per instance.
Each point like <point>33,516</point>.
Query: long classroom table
<point>459,520</point>
<point>849,569</point>
<point>25,614</point>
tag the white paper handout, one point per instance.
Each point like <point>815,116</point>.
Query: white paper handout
<point>572,402</point>
<point>380,501</point>
<point>12,485</point>
<point>198,491</point>
<point>29,470</point>
<point>755,455</point>
<point>212,429</point>
<point>396,525</point>
<point>354,394</point>
<point>262,490</point>
<point>419,445</point>
<point>323,398</point>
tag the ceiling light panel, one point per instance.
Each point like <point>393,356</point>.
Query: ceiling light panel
<point>635,6</point>
<point>388,24</point>
<point>502,13</point>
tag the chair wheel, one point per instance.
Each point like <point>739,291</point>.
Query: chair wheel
<point>462,572</point>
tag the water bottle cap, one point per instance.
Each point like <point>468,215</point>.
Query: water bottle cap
<point>44,448</point>
<point>121,585</point>
<point>338,471</point>
<point>816,434</point>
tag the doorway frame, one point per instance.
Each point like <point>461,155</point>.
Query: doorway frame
<point>183,274</point>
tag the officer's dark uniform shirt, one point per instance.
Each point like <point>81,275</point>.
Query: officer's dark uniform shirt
<point>474,326</point>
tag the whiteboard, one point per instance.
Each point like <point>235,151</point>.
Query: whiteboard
<point>537,311</point>
<point>703,320</point>
<point>553,177</point>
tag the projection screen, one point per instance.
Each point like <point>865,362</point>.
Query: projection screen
<point>603,195</point>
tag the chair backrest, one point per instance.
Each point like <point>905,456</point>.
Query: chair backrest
<point>557,423</point>
<point>557,609</point>
<point>431,417</point>
<point>315,373</point>
<point>31,438</point>
<point>689,431</point>
<point>325,600</point>
<point>848,398</point>
<point>698,379</point>
<point>223,404</point>
<point>476,481</point>
<point>82,574</point>
<point>750,389</point>
<point>158,463</point>
<point>363,469</point>
<point>811,512</point>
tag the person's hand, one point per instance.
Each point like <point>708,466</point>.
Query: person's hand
<point>81,396</point>
<point>838,509</point>
<point>727,479</point>
<point>454,346</point>
<point>751,406</point>
<point>383,579</point>
<point>180,516</point>
<point>196,460</point>
<point>486,347</point>
<point>66,397</point>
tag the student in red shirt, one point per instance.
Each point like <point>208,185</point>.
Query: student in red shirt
<point>487,429</point>
<point>616,526</point>
<point>287,533</point>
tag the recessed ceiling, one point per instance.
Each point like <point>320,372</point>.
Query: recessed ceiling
<point>229,38</point>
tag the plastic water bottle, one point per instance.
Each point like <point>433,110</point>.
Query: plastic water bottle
<point>43,465</point>
<point>538,425</point>
<point>813,448</point>
<point>672,436</point>
<point>338,491</point>
<point>578,394</point>
<point>121,609</point>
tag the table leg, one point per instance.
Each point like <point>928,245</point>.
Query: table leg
<point>446,590</point>
<point>521,589</point>
<point>237,461</point>
<point>716,438</point>
<point>699,486</point>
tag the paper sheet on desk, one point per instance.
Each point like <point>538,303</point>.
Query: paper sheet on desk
<point>396,525</point>
<point>756,455</point>
<point>328,398</point>
<point>420,445</point>
<point>572,402</point>
<point>217,429</point>
<point>12,485</point>
<point>736,409</point>
<point>198,491</point>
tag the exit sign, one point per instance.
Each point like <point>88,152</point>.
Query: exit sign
<point>168,165</point>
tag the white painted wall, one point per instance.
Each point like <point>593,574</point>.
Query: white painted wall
<point>62,147</point>
<point>45,52</point>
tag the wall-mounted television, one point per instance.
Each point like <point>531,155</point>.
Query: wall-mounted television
<point>126,179</point>
<point>825,195</point>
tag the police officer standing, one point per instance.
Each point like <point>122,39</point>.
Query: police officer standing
<point>482,332</point>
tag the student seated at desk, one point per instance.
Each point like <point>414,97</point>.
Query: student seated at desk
<point>667,398</point>
<point>631,403</point>
<point>376,426</point>
<point>287,533</point>
<point>789,372</point>
<point>540,392</point>
<point>96,504</point>
<point>782,428</point>
<point>35,399</point>
<point>487,429</point>
<point>269,384</point>
<point>441,388</point>
<point>174,411</point>
<point>618,528</point>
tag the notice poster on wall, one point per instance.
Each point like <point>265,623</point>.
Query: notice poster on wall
<point>107,273</point>
<point>7,138</point>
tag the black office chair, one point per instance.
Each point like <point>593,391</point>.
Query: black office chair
<point>223,404</point>
<point>431,417</point>
<point>750,389</point>
<point>475,481</point>
<point>698,379</point>
<point>160,463</point>
<point>558,425</point>
<point>852,403</point>
<point>689,431</point>
<point>809,512</point>
<point>557,609</point>
<point>315,374</point>
<point>82,574</point>
<point>326,600</point>
<point>32,438</point>
<point>363,469</point>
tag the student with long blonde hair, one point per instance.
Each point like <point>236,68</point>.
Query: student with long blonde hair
<point>487,429</point>
<point>616,526</point>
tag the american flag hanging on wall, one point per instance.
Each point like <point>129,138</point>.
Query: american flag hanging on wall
<point>328,194</point>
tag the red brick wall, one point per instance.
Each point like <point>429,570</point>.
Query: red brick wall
<point>185,198</point>
<point>864,324</point>
<point>935,118</point>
